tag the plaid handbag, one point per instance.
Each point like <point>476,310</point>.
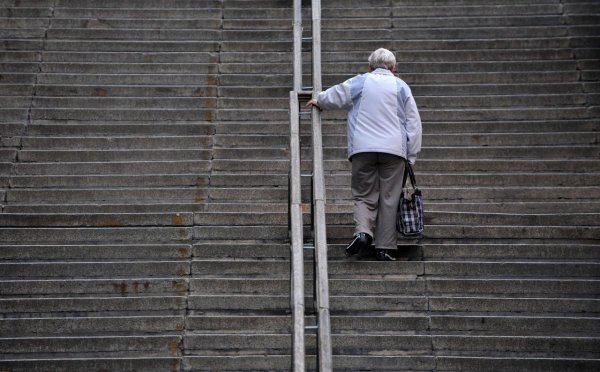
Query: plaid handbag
<point>409,219</point>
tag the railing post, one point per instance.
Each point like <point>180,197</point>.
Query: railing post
<point>297,240</point>
<point>297,23</point>
<point>324,336</point>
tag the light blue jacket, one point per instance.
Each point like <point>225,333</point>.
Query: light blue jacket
<point>382,114</point>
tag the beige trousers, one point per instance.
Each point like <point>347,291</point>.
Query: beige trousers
<point>376,189</point>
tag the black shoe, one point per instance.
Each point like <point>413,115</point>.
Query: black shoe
<point>384,255</point>
<point>361,240</point>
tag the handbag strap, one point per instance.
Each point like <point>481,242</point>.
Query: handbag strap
<point>409,173</point>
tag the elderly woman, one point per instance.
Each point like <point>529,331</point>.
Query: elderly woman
<point>384,130</point>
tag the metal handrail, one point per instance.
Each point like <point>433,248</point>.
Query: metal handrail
<point>297,239</point>
<point>321,281</point>
<point>322,277</point>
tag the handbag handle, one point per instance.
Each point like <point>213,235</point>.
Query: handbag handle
<point>408,172</point>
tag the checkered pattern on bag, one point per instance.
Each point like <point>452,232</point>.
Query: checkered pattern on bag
<point>409,220</point>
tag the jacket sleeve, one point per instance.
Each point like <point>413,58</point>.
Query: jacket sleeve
<point>337,97</point>
<point>413,129</point>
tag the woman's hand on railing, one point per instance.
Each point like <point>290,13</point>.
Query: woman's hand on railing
<point>312,102</point>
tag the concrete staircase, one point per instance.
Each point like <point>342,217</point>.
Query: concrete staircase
<point>143,175</point>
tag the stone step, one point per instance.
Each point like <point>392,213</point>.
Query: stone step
<point>460,21</point>
<point>103,128</point>
<point>280,269</point>
<point>480,33</point>
<point>22,33</point>
<point>449,231</point>
<point>148,345</point>
<point>24,12</point>
<point>331,127</point>
<point>198,193</point>
<point>507,126</point>
<point>95,269</point>
<point>526,305</point>
<point>14,114</point>
<point>477,10</point>
<point>150,114</point>
<point>407,67</point>
<point>540,287</point>
<point>349,344</point>
<point>418,89</point>
<point>60,196</point>
<point>205,32</point>
<point>21,90</point>
<point>409,268</point>
<point>114,155</point>
<point>93,235</point>
<point>8,155</point>
<point>415,56</point>
<point>20,67</point>
<point>136,24</point>
<point>148,206</point>
<point>93,306</point>
<point>479,194</point>
<point>193,13</point>
<point>514,324</point>
<point>39,327</point>
<point>386,303</point>
<point>267,304</point>
<point>488,232</point>
<point>121,286</point>
<point>499,89</point>
<point>112,168</point>
<point>23,23</point>
<point>19,56</point>
<point>95,251</point>
<point>465,363</point>
<point>151,4</point>
<point>23,44</point>
<point>412,78</point>
<point>509,325</point>
<point>425,165</point>
<point>151,25</point>
<point>365,283</point>
<point>498,250</point>
<point>132,46</point>
<point>341,179</point>
<point>525,345</point>
<point>446,44</point>
<point>148,363</point>
<point>55,90</point>
<point>512,152</point>
<point>123,102</point>
<point>431,218</point>
<point>503,101</point>
<point>282,363</point>
<point>425,102</point>
<point>126,68</point>
<point>98,181</point>
<point>157,142</point>
<point>96,220</point>
<point>462,114</point>
<point>126,56</point>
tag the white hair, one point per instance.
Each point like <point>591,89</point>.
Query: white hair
<point>382,58</point>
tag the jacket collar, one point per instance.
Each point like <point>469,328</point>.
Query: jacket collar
<point>382,71</point>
